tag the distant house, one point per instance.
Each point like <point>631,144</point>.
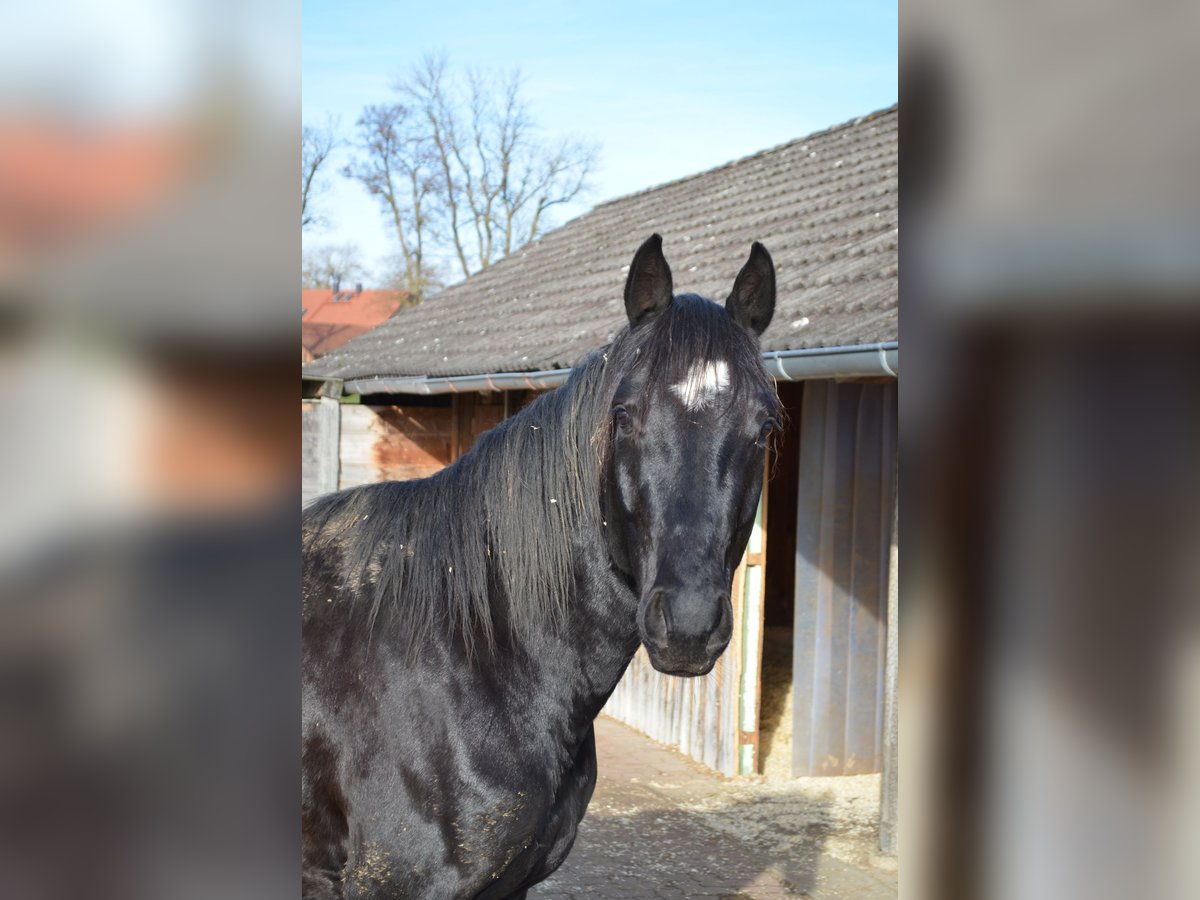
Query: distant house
<point>332,317</point>
<point>60,184</point>
<point>805,686</point>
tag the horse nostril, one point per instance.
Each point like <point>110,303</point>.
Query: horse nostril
<point>654,621</point>
<point>724,627</point>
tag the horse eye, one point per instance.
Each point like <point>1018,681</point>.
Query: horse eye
<point>621,416</point>
<point>769,427</point>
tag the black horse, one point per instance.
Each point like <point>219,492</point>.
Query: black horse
<point>461,632</point>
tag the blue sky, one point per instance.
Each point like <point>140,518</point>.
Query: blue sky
<point>666,90</point>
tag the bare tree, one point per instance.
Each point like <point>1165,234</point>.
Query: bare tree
<point>397,165</point>
<point>462,170</point>
<point>499,176</point>
<point>316,144</point>
<point>395,273</point>
<point>332,267</point>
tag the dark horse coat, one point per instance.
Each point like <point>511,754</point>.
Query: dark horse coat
<point>461,632</point>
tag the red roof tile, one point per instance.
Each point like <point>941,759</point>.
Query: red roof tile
<point>330,318</point>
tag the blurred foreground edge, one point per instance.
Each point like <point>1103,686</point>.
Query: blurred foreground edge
<point>149,575</point>
<point>1050,432</point>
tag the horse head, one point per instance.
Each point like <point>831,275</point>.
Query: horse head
<point>690,419</point>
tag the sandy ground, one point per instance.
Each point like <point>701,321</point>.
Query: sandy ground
<point>663,826</point>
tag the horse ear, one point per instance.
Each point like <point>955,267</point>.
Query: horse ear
<point>751,303</point>
<point>648,288</point>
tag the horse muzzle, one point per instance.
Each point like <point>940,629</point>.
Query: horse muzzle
<point>685,631</point>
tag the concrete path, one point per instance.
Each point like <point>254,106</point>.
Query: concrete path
<point>661,826</point>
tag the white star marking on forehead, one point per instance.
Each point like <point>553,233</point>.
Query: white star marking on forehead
<point>704,381</point>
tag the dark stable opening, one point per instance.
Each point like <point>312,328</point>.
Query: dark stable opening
<point>775,719</point>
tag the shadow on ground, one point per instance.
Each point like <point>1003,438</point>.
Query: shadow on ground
<point>660,826</point>
<point>675,853</point>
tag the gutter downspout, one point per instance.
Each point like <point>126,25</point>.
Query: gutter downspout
<point>862,361</point>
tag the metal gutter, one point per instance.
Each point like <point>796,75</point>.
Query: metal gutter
<point>861,361</point>
<point>457,384</point>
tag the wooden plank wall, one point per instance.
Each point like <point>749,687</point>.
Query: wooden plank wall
<point>379,443</point>
<point>750,649</point>
<point>347,444</point>
<point>473,415</point>
<point>319,433</point>
<point>843,542</point>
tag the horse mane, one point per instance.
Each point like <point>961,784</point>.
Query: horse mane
<point>501,520</point>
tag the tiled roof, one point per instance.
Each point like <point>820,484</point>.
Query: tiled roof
<point>330,318</point>
<point>824,205</point>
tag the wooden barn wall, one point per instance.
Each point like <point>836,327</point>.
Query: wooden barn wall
<point>713,719</point>
<point>320,428</point>
<point>844,521</point>
<point>473,415</point>
<point>348,444</point>
<point>381,443</point>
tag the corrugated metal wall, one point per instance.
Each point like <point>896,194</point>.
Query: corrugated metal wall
<point>843,538</point>
<point>695,715</point>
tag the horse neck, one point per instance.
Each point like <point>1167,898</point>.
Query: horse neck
<point>580,659</point>
<point>581,651</point>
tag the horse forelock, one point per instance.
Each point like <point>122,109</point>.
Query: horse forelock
<point>695,353</point>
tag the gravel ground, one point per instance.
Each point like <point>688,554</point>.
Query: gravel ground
<point>661,826</point>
